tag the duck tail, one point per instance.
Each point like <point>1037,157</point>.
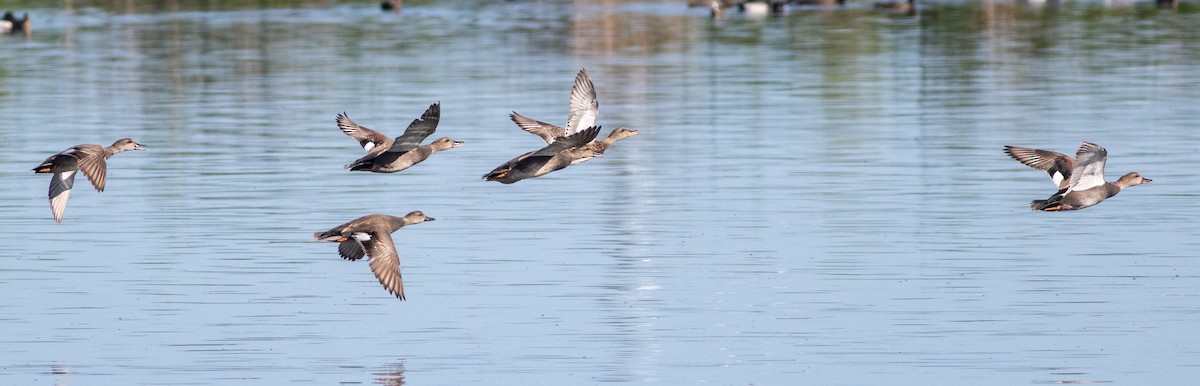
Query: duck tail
<point>359,165</point>
<point>46,166</point>
<point>329,235</point>
<point>1052,204</point>
<point>494,176</point>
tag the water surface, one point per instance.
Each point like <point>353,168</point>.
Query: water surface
<point>818,197</point>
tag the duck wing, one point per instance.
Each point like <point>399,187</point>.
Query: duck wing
<point>367,138</point>
<point>60,192</point>
<point>507,166</point>
<point>1056,164</point>
<point>93,161</point>
<point>1089,167</point>
<point>535,160</point>
<point>578,139</point>
<point>585,108</point>
<point>548,132</point>
<point>351,250</point>
<point>385,263</point>
<point>418,130</point>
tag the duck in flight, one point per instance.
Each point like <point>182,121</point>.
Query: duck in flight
<point>557,155</point>
<point>371,236</point>
<point>387,155</point>
<point>1080,180</point>
<point>582,113</point>
<point>91,159</point>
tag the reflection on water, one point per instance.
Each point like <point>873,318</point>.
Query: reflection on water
<point>814,197</point>
<point>392,375</point>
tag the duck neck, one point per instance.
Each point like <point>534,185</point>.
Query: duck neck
<point>607,142</point>
<point>109,151</point>
<point>397,222</point>
<point>603,144</point>
<point>1122,184</point>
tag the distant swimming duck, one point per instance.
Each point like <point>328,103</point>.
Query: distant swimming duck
<point>762,7</point>
<point>92,159</point>
<point>10,24</point>
<point>385,155</point>
<point>391,5</point>
<point>371,235</point>
<point>557,155</point>
<point>582,114</point>
<point>906,6</point>
<point>709,3</point>
<point>1080,180</point>
<point>715,8</point>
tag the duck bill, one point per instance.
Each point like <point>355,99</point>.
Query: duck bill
<point>1146,180</point>
<point>457,144</point>
<point>138,146</point>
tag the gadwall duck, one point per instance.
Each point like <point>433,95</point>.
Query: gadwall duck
<point>371,235</point>
<point>601,145</point>
<point>708,3</point>
<point>1080,180</point>
<point>10,24</point>
<point>554,156</point>
<point>616,135</point>
<point>906,6</point>
<point>92,159</point>
<point>762,7</point>
<point>385,155</point>
<point>583,112</point>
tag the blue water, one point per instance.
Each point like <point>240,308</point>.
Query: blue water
<point>818,197</point>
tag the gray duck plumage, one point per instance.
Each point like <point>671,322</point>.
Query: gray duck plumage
<point>91,159</point>
<point>557,155</point>
<point>581,114</point>
<point>371,236</point>
<point>387,155</point>
<point>1080,180</point>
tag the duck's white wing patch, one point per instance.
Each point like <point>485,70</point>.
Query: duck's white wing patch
<point>361,236</point>
<point>367,138</point>
<point>1057,178</point>
<point>60,192</point>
